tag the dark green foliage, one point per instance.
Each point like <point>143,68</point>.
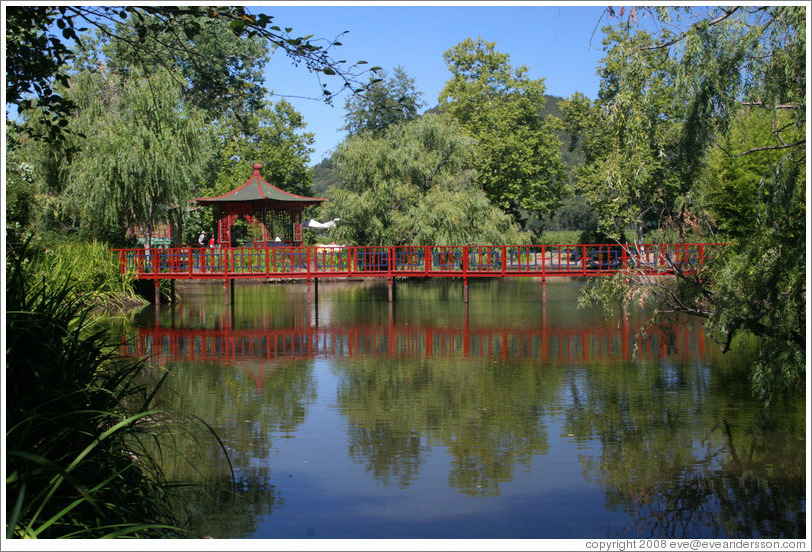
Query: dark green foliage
<point>221,70</point>
<point>167,37</point>
<point>35,62</point>
<point>574,213</point>
<point>273,136</point>
<point>323,175</point>
<point>20,192</point>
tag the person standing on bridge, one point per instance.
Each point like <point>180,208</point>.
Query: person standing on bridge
<point>202,238</point>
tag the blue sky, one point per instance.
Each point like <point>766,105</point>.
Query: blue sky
<point>556,43</point>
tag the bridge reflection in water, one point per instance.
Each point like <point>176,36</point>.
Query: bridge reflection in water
<point>261,347</point>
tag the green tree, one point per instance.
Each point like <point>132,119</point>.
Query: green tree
<point>725,67</point>
<point>628,136</point>
<point>20,194</point>
<point>222,71</point>
<point>141,156</point>
<point>383,103</point>
<point>730,184</point>
<point>518,160</point>
<point>414,185</point>
<point>273,136</point>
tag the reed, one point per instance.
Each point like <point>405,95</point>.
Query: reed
<point>77,420</point>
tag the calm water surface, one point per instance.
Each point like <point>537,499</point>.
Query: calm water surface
<point>346,416</point>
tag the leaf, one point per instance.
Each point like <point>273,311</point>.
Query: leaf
<point>328,71</point>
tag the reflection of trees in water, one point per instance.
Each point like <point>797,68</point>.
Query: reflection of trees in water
<point>489,418</point>
<point>224,509</point>
<point>720,497</point>
<point>391,455</point>
<point>657,461</point>
<point>743,479</point>
<point>244,418</point>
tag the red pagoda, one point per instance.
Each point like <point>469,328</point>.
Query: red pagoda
<point>273,214</point>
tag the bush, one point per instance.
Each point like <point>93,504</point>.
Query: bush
<point>558,237</point>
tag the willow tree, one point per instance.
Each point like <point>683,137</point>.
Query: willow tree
<point>414,185</point>
<point>628,136</point>
<point>142,153</point>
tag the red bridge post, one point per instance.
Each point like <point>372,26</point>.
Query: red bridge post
<point>465,273</point>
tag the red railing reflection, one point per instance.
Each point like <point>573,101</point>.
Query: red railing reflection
<point>547,345</point>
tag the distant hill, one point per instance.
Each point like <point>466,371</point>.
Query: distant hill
<point>324,173</point>
<point>324,176</point>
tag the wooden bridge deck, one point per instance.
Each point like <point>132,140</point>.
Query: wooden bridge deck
<point>469,261</point>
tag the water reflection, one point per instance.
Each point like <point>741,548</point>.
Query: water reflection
<point>661,424</point>
<point>302,335</point>
<point>685,459</point>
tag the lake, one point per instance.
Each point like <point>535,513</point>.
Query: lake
<point>515,415</point>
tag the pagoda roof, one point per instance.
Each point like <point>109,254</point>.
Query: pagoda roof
<point>258,192</point>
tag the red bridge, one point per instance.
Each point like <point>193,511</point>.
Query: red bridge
<point>265,261</point>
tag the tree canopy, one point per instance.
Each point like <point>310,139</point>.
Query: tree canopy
<point>691,120</point>
<point>191,39</point>
<point>141,154</point>
<point>383,103</point>
<point>518,160</point>
<point>414,185</point>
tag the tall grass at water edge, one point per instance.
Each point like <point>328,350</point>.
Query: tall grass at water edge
<point>79,425</point>
<point>94,274</point>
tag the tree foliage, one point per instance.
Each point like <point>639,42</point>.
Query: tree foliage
<point>414,185</point>
<point>141,156</point>
<point>185,86</point>
<point>628,135</point>
<point>221,70</point>
<point>188,39</point>
<point>732,131</point>
<point>383,103</point>
<point>518,160</point>
<point>273,136</point>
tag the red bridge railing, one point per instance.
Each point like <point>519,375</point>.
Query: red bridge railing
<point>469,261</point>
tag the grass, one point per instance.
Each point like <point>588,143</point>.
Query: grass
<point>94,273</point>
<point>78,424</point>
